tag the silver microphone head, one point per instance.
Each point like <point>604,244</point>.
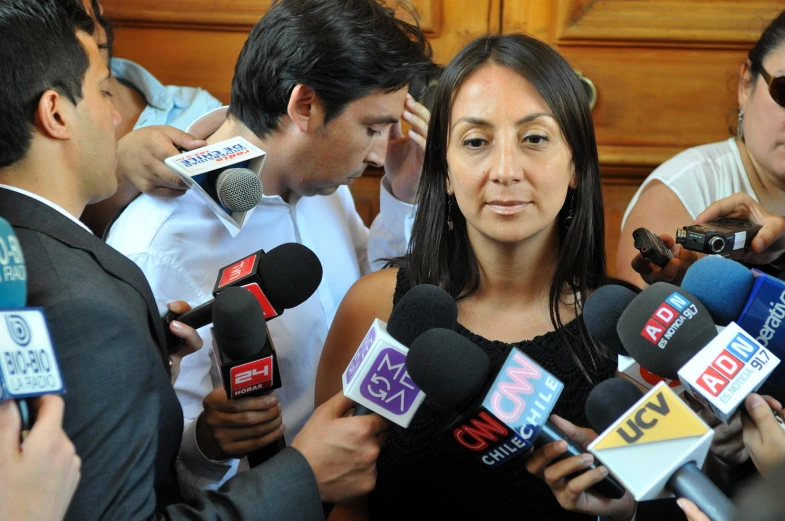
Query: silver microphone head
<point>239,189</point>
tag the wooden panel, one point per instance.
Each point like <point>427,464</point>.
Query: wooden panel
<point>616,198</point>
<point>365,191</point>
<point>723,22</point>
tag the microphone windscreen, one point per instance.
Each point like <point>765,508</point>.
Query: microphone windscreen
<point>447,367</point>
<point>609,400</point>
<point>239,189</point>
<point>422,308</point>
<point>13,273</point>
<point>664,327</point>
<point>239,326</point>
<point>722,285</point>
<point>601,314</point>
<point>290,274</point>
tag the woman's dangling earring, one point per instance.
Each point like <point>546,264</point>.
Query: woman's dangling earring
<point>568,219</point>
<point>740,125</point>
<point>450,224</point>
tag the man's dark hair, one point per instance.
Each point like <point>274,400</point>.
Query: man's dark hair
<point>107,27</point>
<point>342,50</point>
<point>39,51</point>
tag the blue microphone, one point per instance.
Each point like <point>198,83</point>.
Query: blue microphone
<point>13,274</point>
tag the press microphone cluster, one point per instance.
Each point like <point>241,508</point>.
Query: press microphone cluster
<point>28,362</point>
<point>500,413</point>
<point>280,279</point>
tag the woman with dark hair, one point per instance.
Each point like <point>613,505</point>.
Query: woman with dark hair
<point>510,223</point>
<point>752,162</point>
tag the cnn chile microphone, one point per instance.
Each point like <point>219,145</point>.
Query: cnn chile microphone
<point>280,279</point>
<point>377,378</point>
<point>601,315</point>
<point>654,444</point>
<point>670,332</point>
<point>501,415</point>
<point>245,354</point>
<point>752,299</point>
<point>28,362</point>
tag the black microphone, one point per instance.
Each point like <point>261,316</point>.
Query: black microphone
<point>422,308</point>
<point>245,355</point>
<point>280,279</point>
<point>499,417</point>
<point>674,446</point>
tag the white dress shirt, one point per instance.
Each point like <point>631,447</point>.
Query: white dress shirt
<point>180,245</point>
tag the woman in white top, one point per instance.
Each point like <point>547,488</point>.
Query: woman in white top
<point>753,163</point>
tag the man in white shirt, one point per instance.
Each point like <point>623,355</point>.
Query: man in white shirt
<point>322,89</point>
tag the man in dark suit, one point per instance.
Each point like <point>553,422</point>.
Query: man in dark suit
<point>57,154</point>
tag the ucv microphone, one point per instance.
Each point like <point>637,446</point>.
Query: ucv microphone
<point>497,421</point>
<point>377,378</point>
<point>654,444</point>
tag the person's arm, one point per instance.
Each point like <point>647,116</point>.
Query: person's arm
<point>369,298</point>
<point>38,479</point>
<point>660,210</point>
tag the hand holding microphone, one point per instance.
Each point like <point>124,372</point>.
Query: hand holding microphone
<point>763,432</point>
<point>192,342</point>
<point>38,481</point>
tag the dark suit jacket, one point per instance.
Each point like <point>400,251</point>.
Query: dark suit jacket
<point>121,411</point>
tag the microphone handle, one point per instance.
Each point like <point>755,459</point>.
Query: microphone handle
<point>608,487</point>
<point>690,483</point>
<point>266,453</point>
<point>198,317</point>
<point>362,410</point>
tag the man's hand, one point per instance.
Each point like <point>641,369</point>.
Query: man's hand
<point>405,154</point>
<point>763,435</point>
<point>141,155</point>
<point>341,451</point>
<point>38,481</point>
<point>573,494</point>
<point>673,272</point>
<point>769,243</point>
<point>233,428</point>
<point>192,341</point>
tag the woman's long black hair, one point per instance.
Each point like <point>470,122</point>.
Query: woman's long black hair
<point>446,258</point>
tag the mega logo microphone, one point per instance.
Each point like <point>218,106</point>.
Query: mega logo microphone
<point>280,279</point>
<point>226,176</point>
<point>754,300</point>
<point>670,333</point>
<point>377,378</point>
<point>601,314</point>
<point>654,444</point>
<point>28,363</point>
<point>245,354</point>
<point>13,274</point>
<point>500,417</point>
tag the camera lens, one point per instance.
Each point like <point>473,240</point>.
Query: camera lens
<point>716,244</point>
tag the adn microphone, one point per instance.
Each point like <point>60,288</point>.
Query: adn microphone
<point>283,278</point>
<point>655,446</point>
<point>13,274</point>
<point>377,378</point>
<point>245,355</point>
<point>497,421</point>
<point>601,315</point>
<point>754,300</point>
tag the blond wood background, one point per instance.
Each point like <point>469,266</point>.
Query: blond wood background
<point>665,71</point>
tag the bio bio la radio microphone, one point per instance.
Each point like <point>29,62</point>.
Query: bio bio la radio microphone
<point>28,362</point>
<point>245,355</point>
<point>601,315</point>
<point>377,378</point>
<point>752,299</point>
<point>280,279</point>
<point>501,414</point>
<point>654,444</point>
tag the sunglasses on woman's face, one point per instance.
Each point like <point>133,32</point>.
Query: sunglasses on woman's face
<point>776,87</point>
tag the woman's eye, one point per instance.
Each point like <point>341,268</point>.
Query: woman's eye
<point>536,139</point>
<point>474,142</point>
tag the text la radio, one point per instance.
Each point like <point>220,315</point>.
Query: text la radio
<point>732,367</point>
<point>513,412</point>
<point>667,319</point>
<point>252,376</point>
